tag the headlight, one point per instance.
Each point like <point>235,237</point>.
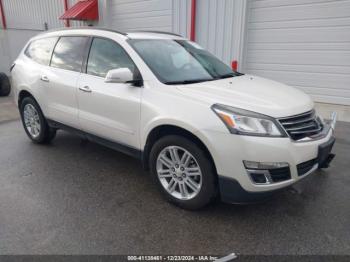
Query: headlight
<point>244,122</point>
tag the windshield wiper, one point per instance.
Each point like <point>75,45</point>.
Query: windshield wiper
<point>184,82</point>
<point>229,75</point>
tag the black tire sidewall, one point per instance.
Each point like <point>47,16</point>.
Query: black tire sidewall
<point>5,86</point>
<point>44,129</point>
<point>209,185</point>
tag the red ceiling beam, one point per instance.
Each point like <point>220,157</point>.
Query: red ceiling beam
<point>2,13</point>
<point>193,21</point>
<point>234,65</point>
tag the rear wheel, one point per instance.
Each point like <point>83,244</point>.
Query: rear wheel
<point>5,86</point>
<point>34,122</point>
<point>183,171</point>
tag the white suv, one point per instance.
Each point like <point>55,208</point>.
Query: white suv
<point>202,129</point>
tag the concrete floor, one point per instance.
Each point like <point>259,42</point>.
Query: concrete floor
<point>8,109</point>
<point>76,198</point>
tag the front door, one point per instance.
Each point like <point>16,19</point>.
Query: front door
<point>109,110</point>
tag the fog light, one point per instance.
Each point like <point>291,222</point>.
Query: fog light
<point>264,165</point>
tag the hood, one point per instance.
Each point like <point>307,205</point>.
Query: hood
<point>251,93</point>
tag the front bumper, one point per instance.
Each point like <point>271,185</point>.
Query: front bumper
<point>232,192</point>
<point>229,151</point>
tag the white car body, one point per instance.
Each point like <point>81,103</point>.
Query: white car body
<point>125,114</point>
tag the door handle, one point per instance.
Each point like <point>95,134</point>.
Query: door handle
<point>44,78</point>
<point>85,89</point>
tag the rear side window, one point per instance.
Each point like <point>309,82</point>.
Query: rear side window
<point>68,53</point>
<point>106,55</point>
<point>40,50</point>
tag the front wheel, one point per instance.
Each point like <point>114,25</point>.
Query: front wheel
<point>34,122</point>
<point>183,171</point>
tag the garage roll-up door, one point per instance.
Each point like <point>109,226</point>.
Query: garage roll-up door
<point>129,15</point>
<point>303,43</point>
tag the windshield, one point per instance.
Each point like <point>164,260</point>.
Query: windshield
<point>180,61</point>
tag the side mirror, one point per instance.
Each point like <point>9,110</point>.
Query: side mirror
<point>120,75</point>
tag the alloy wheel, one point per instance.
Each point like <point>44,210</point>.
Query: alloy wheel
<point>32,120</point>
<point>179,172</point>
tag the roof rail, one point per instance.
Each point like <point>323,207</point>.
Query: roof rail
<point>84,28</point>
<point>156,32</point>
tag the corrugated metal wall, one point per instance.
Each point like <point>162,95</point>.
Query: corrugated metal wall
<point>128,15</point>
<point>162,15</point>
<point>5,57</point>
<point>218,21</point>
<point>24,20</point>
<point>214,22</point>
<point>31,15</point>
<point>27,18</point>
<point>303,43</point>
<point>219,24</point>
<point>181,17</point>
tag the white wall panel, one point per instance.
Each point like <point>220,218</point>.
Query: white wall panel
<point>181,17</point>
<point>129,15</point>
<point>31,15</point>
<point>133,15</point>
<point>11,43</point>
<point>303,43</point>
<point>5,57</point>
<point>24,20</point>
<point>219,27</point>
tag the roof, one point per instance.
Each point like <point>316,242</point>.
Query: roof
<point>82,10</point>
<point>152,35</point>
<point>100,32</point>
<point>155,32</point>
<point>83,28</point>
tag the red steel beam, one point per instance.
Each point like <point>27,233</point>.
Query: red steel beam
<point>66,23</point>
<point>2,13</point>
<point>234,65</point>
<point>193,21</point>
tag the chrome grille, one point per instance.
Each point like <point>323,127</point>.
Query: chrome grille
<point>301,126</point>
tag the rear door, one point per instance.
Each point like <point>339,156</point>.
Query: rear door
<point>109,110</point>
<point>61,78</point>
<point>31,66</point>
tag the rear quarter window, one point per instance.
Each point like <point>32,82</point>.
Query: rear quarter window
<point>40,50</point>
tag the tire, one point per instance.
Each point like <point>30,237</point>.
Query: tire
<point>42,133</point>
<point>5,86</point>
<point>205,180</point>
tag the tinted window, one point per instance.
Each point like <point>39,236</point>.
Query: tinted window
<point>106,55</point>
<point>68,53</point>
<point>40,50</point>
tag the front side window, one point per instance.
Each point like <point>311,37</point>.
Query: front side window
<point>106,55</point>
<point>68,53</point>
<point>40,50</point>
<point>180,61</point>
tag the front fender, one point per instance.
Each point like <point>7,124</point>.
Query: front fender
<point>161,121</point>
